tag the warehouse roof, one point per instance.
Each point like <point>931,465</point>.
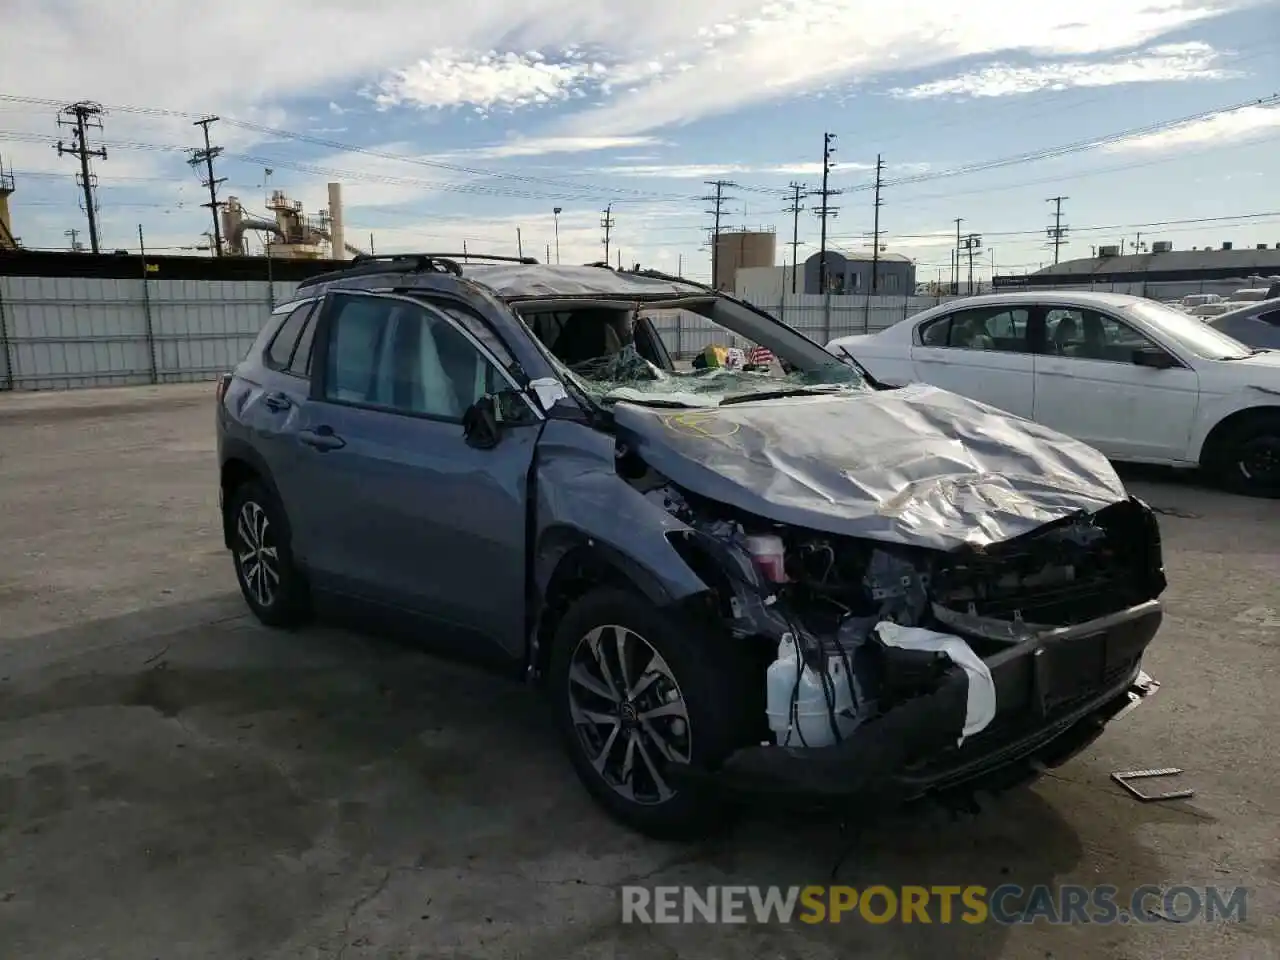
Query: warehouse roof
<point>1242,262</point>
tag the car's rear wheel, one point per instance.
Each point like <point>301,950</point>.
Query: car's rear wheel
<point>271,583</point>
<point>639,696</point>
<point>1249,461</point>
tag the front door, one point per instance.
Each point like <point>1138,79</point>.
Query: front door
<point>1088,387</point>
<point>401,510</point>
<point>983,353</point>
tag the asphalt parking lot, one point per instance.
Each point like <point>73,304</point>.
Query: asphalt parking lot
<point>176,781</point>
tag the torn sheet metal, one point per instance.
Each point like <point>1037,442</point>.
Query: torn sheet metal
<point>980,705</point>
<point>916,466</point>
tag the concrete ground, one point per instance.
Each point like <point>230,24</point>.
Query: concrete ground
<point>177,782</point>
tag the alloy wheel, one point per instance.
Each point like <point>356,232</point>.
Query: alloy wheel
<point>257,555</point>
<point>629,713</point>
<point>1259,462</point>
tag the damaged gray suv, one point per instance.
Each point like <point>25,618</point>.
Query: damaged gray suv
<point>759,573</point>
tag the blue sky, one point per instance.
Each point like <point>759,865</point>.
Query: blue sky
<point>476,122</point>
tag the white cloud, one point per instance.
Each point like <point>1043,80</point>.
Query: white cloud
<point>538,146</point>
<point>1170,62</point>
<point>486,82</point>
<point>790,47</point>
<point>1228,126</point>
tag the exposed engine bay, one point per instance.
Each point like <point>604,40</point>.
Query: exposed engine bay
<point>861,626</point>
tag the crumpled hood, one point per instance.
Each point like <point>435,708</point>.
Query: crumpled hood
<point>917,465</point>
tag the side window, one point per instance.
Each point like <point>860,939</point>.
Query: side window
<point>282,344</point>
<point>1002,329</point>
<point>1089,335</point>
<point>935,332</point>
<point>1271,316</point>
<point>405,357</point>
<point>477,328</point>
<point>300,363</point>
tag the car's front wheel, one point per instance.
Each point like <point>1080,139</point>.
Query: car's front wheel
<point>1249,460</point>
<point>272,585</point>
<point>638,696</point>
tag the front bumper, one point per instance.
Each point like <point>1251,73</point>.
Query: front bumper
<point>1054,694</point>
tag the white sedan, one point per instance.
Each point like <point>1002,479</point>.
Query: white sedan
<point>1138,380</point>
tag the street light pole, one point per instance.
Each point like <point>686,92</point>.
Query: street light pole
<point>555,212</point>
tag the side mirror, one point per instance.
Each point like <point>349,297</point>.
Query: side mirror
<point>1156,359</point>
<point>480,424</point>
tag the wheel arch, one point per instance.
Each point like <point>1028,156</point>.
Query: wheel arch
<point>1230,426</point>
<point>569,563</point>
<point>242,464</point>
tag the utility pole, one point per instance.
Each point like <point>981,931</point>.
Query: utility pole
<point>875,249</point>
<point>555,212</point>
<point>207,156</point>
<point>798,192</point>
<point>718,200</point>
<point>548,253</point>
<point>1057,233</point>
<point>971,244</point>
<point>73,235</point>
<point>607,223</point>
<point>80,117</point>
<point>955,262</point>
<point>825,211</point>
<point>519,243</point>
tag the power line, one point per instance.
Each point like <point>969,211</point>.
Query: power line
<point>798,191</point>
<point>875,245</point>
<point>1057,232</point>
<point>80,117</point>
<point>825,211</point>
<point>206,157</point>
<point>718,200</point>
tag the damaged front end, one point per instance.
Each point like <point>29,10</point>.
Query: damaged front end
<point>888,669</point>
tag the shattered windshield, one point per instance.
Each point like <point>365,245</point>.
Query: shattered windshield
<point>660,359</point>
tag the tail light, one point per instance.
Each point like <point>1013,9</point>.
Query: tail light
<point>220,390</point>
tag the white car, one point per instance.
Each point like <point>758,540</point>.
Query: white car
<point>1138,380</point>
<point>1206,310</point>
<point>1254,324</point>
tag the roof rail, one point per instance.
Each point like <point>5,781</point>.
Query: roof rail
<point>600,263</point>
<point>366,264</point>
<point>366,257</point>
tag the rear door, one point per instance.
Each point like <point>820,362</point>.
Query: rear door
<point>400,510</point>
<point>1088,387</point>
<point>281,386</point>
<point>983,353</point>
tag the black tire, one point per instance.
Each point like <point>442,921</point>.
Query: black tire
<point>251,510</point>
<point>1244,452</point>
<point>710,678</point>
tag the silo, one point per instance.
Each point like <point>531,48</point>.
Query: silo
<point>737,249</point>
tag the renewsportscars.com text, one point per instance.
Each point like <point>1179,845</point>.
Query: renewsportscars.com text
<point>971,904</point>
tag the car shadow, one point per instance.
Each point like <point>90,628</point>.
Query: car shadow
<point>224,750</point>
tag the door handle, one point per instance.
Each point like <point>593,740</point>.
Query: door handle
<point>322,438</point>
<point>277,401</point>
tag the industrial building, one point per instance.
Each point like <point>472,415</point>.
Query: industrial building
<point>742,249</point>
<point>851,273</point>
<point>7,240</point>
<point>1227,266</point>
<point>291,234</point>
